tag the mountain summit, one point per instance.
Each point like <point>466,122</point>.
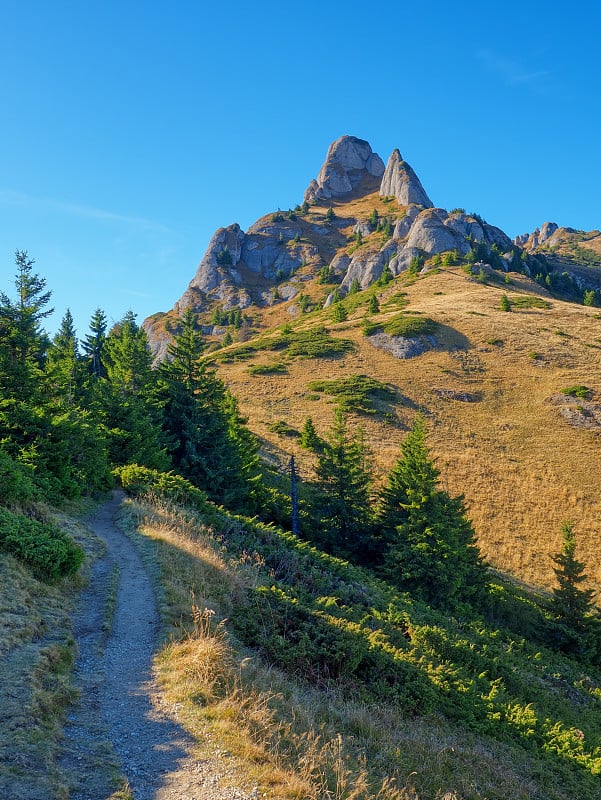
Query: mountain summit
<point>351,168</point>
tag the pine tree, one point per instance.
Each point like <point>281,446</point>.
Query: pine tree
<point>571,606</point>
<point>23,343</point>
<point>93,344</point>
<point>429,544</point>
<point>343,493</point>
<point>373,306</point>
<point>134,423</point>
<point>63,362</point>
<point>208,441</point>
<point>309,438</point>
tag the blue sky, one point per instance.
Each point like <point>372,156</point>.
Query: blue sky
<point>131,131</point>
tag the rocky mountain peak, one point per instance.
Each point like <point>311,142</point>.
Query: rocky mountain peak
<point>351,167</point>
<point>530,241</point>
<point>401,182</point>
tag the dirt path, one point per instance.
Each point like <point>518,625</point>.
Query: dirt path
<point>118,725</point>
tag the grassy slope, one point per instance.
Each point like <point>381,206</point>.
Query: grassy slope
<point>521,466</point>
<point>477,713</point>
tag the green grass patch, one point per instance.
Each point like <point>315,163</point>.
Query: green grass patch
<point>357,393</point>
<point>529,301</point>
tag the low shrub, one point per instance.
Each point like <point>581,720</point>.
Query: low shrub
<point>267,369</point>
<point>356,393</point>
<point>47,550</point>
<point>403,325</point>
<point>138,480</point>
<point>583,392</point>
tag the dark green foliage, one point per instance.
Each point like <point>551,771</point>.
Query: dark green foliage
<point>373,306</point>
<point>327,275</point>
<point>232,317</point>
<point>316,343</point>
<point>282,428</point>
<point>132,421</point>
<point>355,286</point>
<point>429,544</point>
<point>267,369</point>
<point>93,344</point>
<point>329,215</point>
<point>358,393</point>
<point>207,440</point>
<point>339,312</point>
<point>578,627</point>
<point>403,325</point>
<point>385,277</point>
<point>224,257</point>
<point>47,550</point>
<point>309,439</point>
<point>17,487</point>
<point>505,304</point>
<point>341,507</point>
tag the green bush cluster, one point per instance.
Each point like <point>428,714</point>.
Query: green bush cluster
<point>47,550</point>
<point>356,393</point>
<point>583,392</point>
<point>139,480</point>
<point>403,325</point>
<point>267,369</point>
<point>314,343</point>
<point>16,482</point>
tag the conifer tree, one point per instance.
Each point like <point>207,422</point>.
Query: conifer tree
<point>343,497</point>
<point>208,441</point>
<point>63,362</point>
<point>93,344</point>
<point>572,607</point>
<point>429,544</point>
<point>133,422</point>
<point>309,438</point>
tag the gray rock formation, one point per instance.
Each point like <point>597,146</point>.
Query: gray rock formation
<point>530,241</point>
<point>400,181</point>
<point>351,167</point>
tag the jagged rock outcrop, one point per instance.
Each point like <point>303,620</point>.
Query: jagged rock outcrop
<point>217,270</point>
<point>530,241</point>
<point>400,181</point>
<point>350,167</point>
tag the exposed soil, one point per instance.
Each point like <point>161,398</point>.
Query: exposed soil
<point>120,726</point>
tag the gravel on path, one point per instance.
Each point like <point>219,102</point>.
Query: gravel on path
<point>120,724</point>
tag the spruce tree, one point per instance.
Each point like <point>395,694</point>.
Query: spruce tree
<point>93,344</point>
<point>342,504</point>
<point>63,362</point>
<point>309,439</point>
<point>207,438</point>
<point>429,544</point>
<point>577,621</point>
<point>133,422</point>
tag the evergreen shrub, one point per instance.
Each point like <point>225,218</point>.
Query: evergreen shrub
<point>47,550</point>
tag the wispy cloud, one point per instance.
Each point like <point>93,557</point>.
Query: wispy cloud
<point>515,73</point>
<point>15,199</point>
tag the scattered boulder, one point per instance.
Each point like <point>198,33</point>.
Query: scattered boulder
<point>400,181</point>
<point>401,346</point>
<point>351,167</point>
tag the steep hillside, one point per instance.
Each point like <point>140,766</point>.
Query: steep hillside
<point>499,391</point>
<point>510,422</point>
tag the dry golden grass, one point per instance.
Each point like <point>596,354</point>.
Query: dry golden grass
<point>523,469</point>
<point>289,740</point>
